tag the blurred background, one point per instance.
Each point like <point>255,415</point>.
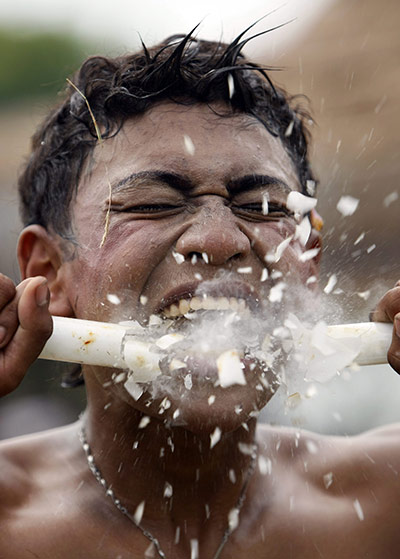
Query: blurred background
<point>342,55</point>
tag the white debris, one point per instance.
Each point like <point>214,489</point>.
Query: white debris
<point>233,519</point>
<point>215,437</point>
<point>168,490</point>
<point>275,274</point>
<point>358,509</point>
<point>390,198</point>
<point>187,381</point>
<point>303,231</point>
<point>311,447</point>
<point>231,86</point>
<point>276,292</point>
<point>289,129</point>
<point>194,549</point>
<point>245,270</point>
<point>113,299</point>
<point>275,255</point>
<point>371,248</point>
<point>143,299</point>
<point>347,205</point>
<point>205,257</point>
<point>264,465</point>
<point>331,284</point>
<point>359,238</point>
<point>300,203</point>
<point>265,200</point>
<point>310,187</point>
<point>232,476</point>
<point>168,340</point>
<point>151,552</point>
<point>230,369</point>
<point>179,258</point>
<point>177,364</point>
<point>138,514</point>
<point>189,145</point>
<point>247,449</point>
<point>133,388</point>
<point>264,275</point>
<point>144,422</point>
<point>364,294</point>
<point>120,378</point>
<point>328,479</point>
<point>311,279</point>
<point>164,405</point>
<point>309,254</point>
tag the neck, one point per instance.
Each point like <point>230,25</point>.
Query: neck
<point>171,469</point>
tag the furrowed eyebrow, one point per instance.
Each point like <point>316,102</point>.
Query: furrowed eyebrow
<point>173,180</point>
<point>252,182</point>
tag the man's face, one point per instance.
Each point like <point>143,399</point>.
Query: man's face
<point>187,223</point>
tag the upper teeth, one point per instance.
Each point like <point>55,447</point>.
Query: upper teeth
<point>205,302</point>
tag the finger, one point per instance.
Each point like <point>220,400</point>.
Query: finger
<point>394,350</point>
<point>34,328</point>
<point>388,306</point>
<point>10,296</point>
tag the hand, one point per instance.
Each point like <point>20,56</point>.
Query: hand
<point>388,310</point>
<point>25,325</point>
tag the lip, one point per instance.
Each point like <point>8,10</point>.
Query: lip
<point>237,289</point>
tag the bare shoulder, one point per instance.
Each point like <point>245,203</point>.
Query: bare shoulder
<point>26,460</point>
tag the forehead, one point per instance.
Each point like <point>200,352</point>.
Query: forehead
<point>198,140</point>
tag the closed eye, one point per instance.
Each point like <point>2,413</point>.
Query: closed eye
<point>255,209</point>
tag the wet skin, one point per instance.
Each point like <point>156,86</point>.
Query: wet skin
<point>290,510</point>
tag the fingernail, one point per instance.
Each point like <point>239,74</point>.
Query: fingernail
<point>42,295</point>
<point>3,333</point>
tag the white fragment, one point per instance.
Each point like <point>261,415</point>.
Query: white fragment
<point>194,549</point>
<point>264,465</point>
<point>310,187</point>
<point>198,276</point>
<point>359,238</point>
<point>300,203</point>
<point>371,248</point>
<point>276,292</point>
<point>168,491</point>
<point>168,340</point>
<point>144,422</point>
<point>143,299</point>
<point>390,198</point>
<point>187,381</point>
<point>311,279</point>
<point>113,299</point>
<point>231,86</point>
<point>245,270</point>
<point>133,388</point>
<point>215,437</point>
<point>189,145</point>
<point>265,199</point>
<point>211,400</point>
<point>177,535</point>
<point>347,205</point>
<point>289,129</point>
<point>358,509</point>
<point>120,378</point>
<point>247,449</point>
<point>233,519</point>
<point>205,257</point>
<point>150,552</point>
<point>138,514</point>
<point>232,476</point>
<point>230,369</point>
<point>309,254</point>
<point>179,258</point>
<point>164,405</point>
<point>331,284</point>
<point>303,231</point>
<point>264,275</point>
<point>311,447</point>
<point>176,364</point>
<point>275,255</point>
<point>328,479</point>
<point>364,294</point>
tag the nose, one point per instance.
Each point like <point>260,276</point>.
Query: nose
<point>214,231</point>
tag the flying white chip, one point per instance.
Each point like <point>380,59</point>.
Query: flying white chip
<point>230,369</point>
<point>347,205</point>
<point>299,203</point>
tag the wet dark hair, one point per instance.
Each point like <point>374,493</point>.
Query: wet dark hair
<point>183,69</point>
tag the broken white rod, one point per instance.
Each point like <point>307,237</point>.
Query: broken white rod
<point>113,345</point>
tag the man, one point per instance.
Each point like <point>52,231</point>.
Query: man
<point>161,183</point>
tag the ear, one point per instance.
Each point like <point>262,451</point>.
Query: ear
<point>39,254</point>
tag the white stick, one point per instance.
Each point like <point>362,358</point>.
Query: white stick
<point>113,345</point>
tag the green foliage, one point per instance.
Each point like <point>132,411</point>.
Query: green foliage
<point>36,64</point>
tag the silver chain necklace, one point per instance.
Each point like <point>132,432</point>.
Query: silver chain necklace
<point>117,503</point>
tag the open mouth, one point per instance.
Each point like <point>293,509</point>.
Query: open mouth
<point>205,302</point>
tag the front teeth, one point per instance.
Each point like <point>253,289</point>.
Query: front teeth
<point>207,303</point>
